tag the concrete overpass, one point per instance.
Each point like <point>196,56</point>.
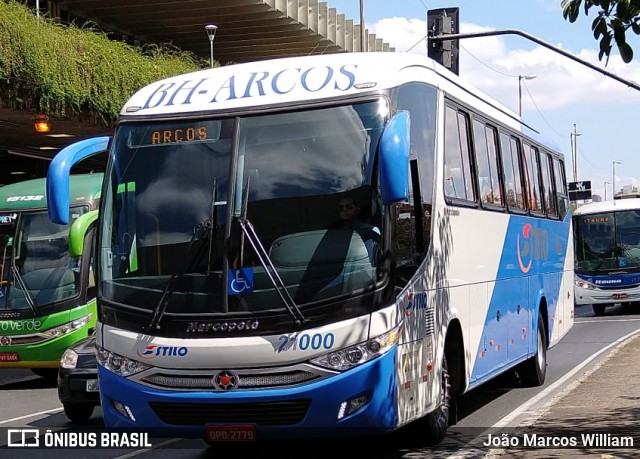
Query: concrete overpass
<point>247,30</point>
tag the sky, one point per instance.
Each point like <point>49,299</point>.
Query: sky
<point>565,101</point>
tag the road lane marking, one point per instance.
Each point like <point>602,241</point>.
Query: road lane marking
<point>26,416</point>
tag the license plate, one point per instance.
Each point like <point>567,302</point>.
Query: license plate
<point>619,296</point>
<point>241,432</point>
<point>92,385</point>
<point>9,357</point>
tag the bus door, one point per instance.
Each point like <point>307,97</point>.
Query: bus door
<point>8,221</point>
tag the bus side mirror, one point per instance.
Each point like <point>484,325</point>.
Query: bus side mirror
<point>78,231</point>
<point>394,159</point>
<point>58,175</point>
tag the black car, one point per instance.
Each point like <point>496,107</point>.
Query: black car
<point>78,380</point>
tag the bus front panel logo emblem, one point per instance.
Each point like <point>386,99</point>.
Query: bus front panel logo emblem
<point>225,380</point>
<point>5,340</point>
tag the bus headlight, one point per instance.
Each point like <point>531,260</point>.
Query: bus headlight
<point>69,327</point>
<point>121,366</point>
<point>352,356</point>
<point>583,284</point>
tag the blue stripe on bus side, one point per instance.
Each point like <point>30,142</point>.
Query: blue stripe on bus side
<point>531,266</point>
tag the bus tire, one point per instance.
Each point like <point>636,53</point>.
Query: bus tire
<point>598,309</point>
<point>437,422</point>
<point>79,413</point>
<point>533,371</point>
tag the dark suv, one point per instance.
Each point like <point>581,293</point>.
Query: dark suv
<point>78,380</point>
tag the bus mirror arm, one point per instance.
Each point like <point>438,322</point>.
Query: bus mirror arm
<point>79,230</point>
<point>394,159</point>
<point>59,171</point>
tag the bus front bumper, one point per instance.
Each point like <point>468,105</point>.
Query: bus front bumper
<point>313,410</point>
<point>585,296</point>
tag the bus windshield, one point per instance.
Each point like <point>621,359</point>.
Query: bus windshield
<point>608,241</point>
<point>179,194</point>
<point>37,269</point>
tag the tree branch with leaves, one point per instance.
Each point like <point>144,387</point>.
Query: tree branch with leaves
<point>614,19</point>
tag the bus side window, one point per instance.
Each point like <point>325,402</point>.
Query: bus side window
<point>547,182</point>
<point>511,171</point>
<point>413,218</point>
<point>532,177</point>
<point>458,183</point>
<point>561,187</point>
<point>487,161</point>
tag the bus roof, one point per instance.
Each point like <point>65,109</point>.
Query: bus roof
<point>31,194</point>
<point>296,80</point>
<point>608,206</point>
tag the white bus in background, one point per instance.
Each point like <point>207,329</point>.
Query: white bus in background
<point>233,302</point>
<point>607,253</point>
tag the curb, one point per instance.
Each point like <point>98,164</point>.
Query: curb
<point>616,346</point>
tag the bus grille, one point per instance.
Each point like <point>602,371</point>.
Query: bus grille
<point>260,413</point>
<point>24,340</point>
<point>617,287</point>
<point>245,381</point>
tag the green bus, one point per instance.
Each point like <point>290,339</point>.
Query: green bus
<point>47,288</point>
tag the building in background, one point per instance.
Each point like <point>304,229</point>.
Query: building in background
<point>246,31</point>
<point>627,191</point>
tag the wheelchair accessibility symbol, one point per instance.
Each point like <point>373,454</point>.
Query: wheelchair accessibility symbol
<point>240,281</point>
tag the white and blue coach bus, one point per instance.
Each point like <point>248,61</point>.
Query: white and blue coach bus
<point>607,253</point>
<point>322,245</point>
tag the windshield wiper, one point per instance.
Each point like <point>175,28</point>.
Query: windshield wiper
<point>191,256</point>
<point>25,290</point>
<point>272,273</point>
<point>206,228</point>
<point>270,270</point>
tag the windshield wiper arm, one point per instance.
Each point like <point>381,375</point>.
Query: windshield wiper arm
<point>25,290</point>
<point>270,270</point>
<point>190,256</point>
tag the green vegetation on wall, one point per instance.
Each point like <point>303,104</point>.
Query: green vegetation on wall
<point>75,73</point>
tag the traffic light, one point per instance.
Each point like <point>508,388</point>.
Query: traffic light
<point>443,21</point>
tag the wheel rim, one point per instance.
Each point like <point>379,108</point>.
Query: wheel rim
<point>540,353</point>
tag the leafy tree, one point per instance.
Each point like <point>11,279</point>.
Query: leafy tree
<point>614,19</point>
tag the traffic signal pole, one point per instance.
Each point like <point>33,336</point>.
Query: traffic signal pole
<point>440,37</point>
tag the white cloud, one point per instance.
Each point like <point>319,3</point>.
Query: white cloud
<point>494,68</point>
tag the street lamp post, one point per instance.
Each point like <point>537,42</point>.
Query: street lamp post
<point>606,182</point>
<point>613,184</point>
<point>362,34</point>
<point>520,78</point>
<point>211,33</point>
<point>574,151</point>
